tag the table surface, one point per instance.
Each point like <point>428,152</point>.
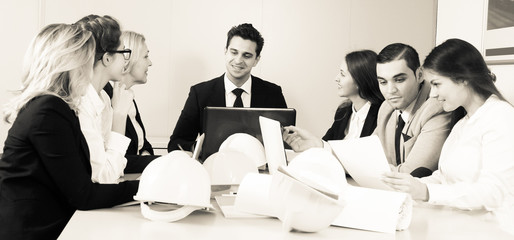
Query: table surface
<point>428,222</point>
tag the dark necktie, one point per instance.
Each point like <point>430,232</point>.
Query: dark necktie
<point>239,101</point>
<point>397,134</point>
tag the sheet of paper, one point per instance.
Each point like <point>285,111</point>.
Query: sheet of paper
<point>273,143</point>
<point>375,210</point>
<point>198,147</point>
<point>253,195</point>
<point>364,159</point>
<point>227,206</point>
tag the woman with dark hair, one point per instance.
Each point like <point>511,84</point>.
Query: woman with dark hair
<point>104,126</point>
<point>357,115</point>
<point>45,173</point>
<point>476,166</point>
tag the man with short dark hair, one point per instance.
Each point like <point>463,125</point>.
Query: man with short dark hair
<point>411,126</point>
<point>236,88</point>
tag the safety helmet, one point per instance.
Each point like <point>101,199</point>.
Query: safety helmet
<point>247,144</point>
<point>228,167</point>
<point>174,178</point>
<point>307,191</point>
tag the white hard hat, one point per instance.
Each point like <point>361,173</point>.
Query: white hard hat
<point>308,191</point>
<point>248,144</point>
<point>176,179</point>
<point>228,167</point>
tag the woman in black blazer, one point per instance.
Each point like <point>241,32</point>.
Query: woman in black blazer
<point>357,83</point>
<point>137,71</point>
<point>45,173</point>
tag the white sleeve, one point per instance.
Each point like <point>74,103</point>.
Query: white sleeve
<point>495,178</point>
<point>106,155</point>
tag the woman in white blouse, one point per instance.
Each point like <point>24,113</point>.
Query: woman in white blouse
<point>137,73</point>
<point>103,126</point>
<point>476,166</point>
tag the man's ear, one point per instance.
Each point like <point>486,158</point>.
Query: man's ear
<point>419,75</point>
<point>257,60</point>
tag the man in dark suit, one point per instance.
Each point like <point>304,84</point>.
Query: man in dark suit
<point>236,88</point>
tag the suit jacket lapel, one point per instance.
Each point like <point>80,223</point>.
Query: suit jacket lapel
<point>371,120</point>
<point>257,94</point>
<point>217,98</point>
<point>423,95</point>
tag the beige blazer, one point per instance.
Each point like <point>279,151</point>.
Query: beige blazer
<point>423,135</point>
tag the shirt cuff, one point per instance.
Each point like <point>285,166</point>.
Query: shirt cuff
<point>118,143</point>
<point>435,191</point>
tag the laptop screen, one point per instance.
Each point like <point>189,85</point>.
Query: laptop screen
<point>221,122</point>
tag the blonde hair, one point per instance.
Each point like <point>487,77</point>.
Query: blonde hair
<point>59,62</point>
<point>135,42</point>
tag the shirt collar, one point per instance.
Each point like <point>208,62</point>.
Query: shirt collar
<point>363,112</point>
<point>229,86</point>
<point>407,113</point>
<point>91,96</point>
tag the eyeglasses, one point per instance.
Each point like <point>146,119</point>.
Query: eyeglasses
<point>126,53</point>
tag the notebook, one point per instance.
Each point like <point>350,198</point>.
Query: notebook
<point>221,122</point>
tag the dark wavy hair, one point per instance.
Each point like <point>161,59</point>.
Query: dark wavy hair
<point>106,32</point>
<point>248,32</point>
<point>362,66</point>
<point>397,51</point>
<point>460,61</point>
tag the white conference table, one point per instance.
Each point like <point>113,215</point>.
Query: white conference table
<point>428,222</point>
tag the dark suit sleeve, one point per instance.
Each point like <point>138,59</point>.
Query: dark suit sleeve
<point>188,124</point>
<point>280,101</point>
<point>266,94</point>
<point>336,131</point>
<point>53,136</point>
<point>138,163</point>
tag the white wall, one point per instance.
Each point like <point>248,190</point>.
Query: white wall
<point>469,25</point>
<point>305,42</point>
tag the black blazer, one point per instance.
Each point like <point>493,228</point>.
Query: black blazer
<point>212,93</point>
<point>45,173</point>
<point>342,117</point>
<point>130,131</point>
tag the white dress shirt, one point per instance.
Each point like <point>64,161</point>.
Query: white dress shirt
<point>230,97</point>
<point>476,167</point>
<point>106,148</point>
<point>357,119</point>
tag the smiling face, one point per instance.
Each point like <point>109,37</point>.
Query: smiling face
<point>451,94</point>
<point>346,86</point>
<point>240,58</point>
<point>398,83</point>
<point>140,68</point>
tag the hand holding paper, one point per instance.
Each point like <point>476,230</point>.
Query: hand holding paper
<point>404,182</point>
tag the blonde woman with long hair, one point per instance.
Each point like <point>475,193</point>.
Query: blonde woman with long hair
<point>137,73</point>
<point>45,171</point>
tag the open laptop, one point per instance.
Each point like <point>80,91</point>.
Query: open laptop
<point>221,122</point>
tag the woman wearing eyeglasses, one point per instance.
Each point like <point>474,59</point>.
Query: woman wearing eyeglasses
<point>137,72</point>
<point>103,126</point>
